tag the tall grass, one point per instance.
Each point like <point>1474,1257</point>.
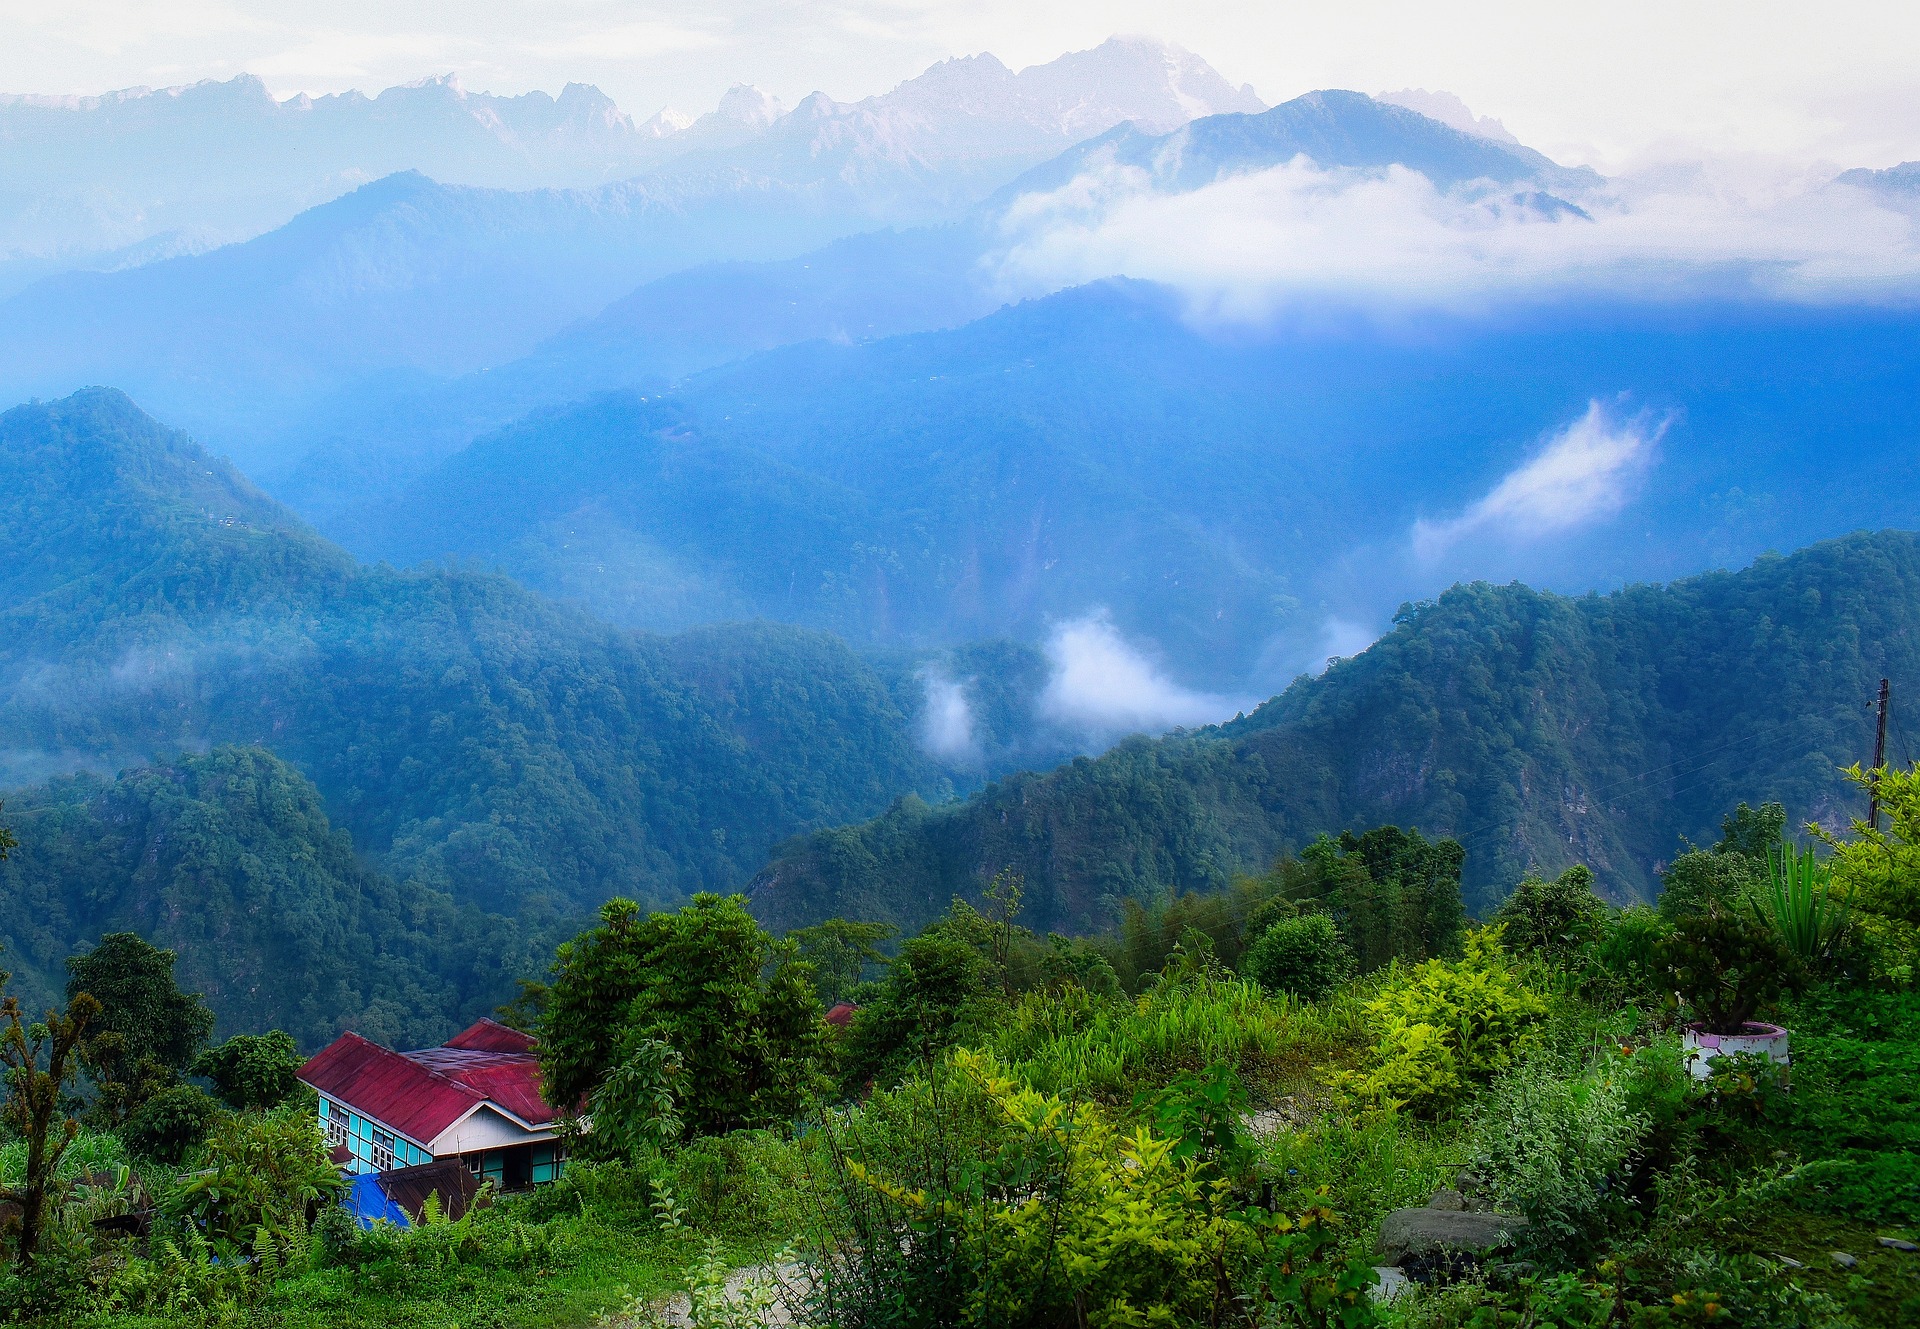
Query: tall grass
<point>1798,901</point>
<point>89,1152</point>
<point>1108,1049</point>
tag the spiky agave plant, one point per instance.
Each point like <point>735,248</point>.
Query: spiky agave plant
<point>1799,903</point>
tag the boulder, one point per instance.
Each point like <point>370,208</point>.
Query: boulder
<point>1421,1234</point>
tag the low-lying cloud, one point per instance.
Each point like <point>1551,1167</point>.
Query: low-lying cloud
<point>1586,472</point>
<point>946,723</point>
<point>1243,248</point>
<point>1103,684</point>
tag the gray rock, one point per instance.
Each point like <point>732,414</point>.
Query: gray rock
<point>1842,1260</point>
<point>1407,1234</point>
<point>1390,1283</point>
<point>1789,1262</point>
<point>1448,1199</point>
<point>1895,1244</point>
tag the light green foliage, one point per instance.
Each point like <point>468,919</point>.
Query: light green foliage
<point>1549,1140</point>
<point>1304,955</point>
<point>258,1171</point>
<point>736,1007</point>
<point>1876,873</point>
<point>1798,903</point>
<point>252,1071</point>
<point>1555,918</point>
<point>90,1151</point>
<point>1443,1026</point>
<point>1110,1049</point>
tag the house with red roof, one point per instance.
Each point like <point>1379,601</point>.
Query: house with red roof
<point>475,1098</point>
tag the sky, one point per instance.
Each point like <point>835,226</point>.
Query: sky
<point>1611,85</point>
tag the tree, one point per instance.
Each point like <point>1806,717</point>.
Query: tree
<point>148,1030</point>
<point>840,951</point>
<point>737,1007</point>
<point>252,1071</point>
<point>1876,873</point>
<point>1304,955</point>
<point>171,1124</point>
<point>1557,916</point>
<point>917,1008</point>
<point>40,1060</point>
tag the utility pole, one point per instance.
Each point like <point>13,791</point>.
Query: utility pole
<point>1879,759</point>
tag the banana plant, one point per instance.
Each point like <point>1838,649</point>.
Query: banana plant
<point>1798,903</point>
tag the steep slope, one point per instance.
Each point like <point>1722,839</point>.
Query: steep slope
<point>467,735</point>
<point>1224,496</point>
<point>1539,730</point>
<point>229,860</point>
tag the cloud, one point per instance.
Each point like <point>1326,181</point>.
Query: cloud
<point>1585,472</point>
<point>1103,684</point>
<point>1245,248</point>
<point>946,725</point>
<point>1343,637</point>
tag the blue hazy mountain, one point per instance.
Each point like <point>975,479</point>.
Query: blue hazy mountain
<point>472,739</point>
<point>1332,128</point>
<point>865,286</point>
<point>1226,498</point>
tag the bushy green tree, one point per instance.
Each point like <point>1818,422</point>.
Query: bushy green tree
<point>1557,917</point>
<point>1395,894</point>
<point>840,951</point>
<point>916,1012</point>
<point>252,1071</point>
<point>171,1124</point>
<point>261,1170</point>
<point>148,1029</point>
<point>737,1007</point>
<point>1304,955</point>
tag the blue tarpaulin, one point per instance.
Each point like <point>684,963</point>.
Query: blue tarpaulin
<point>369,1204</point>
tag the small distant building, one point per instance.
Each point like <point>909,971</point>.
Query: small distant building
<point>476,1099</point>
<point>841,1016</point>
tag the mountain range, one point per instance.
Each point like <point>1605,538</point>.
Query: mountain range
<point>88,179</point>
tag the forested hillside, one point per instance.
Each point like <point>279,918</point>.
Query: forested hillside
<point>1539,730</point>
<point>229,860</point>
<point>471,738</point>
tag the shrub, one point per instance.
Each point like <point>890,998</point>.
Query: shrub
<point>1304,955</point>
<point>1554,1148</point>
<point>1442,1026</point>
<point>634,1110</point>
<point>1626,955</point>
<point>1726,966</point>
<point>171,1124</point>
<point>261,1172</point>
<point>1797,902</point>
<point>252,1071</point>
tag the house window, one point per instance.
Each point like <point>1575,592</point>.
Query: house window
<point>333,1122</point>
<point>381,1155</point>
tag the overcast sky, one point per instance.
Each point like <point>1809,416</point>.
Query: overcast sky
<point>1609,84</point>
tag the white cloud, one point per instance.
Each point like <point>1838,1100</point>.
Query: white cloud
<point>1246,248</point>
<point>1584,473</point>
<point>946,725</point>
<point>1104,685</point>
<point>1343,637</point>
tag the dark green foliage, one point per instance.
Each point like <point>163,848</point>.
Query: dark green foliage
<point>1726,966</point>
<point>252,1072</point>
<point>1305,955</point>
<point>148,1030</point>
<point>1701,880</point>
<point>706,981</point>
<point>1393,893</point>
<point>1557,917</point>
<point>840,951</point>
<point>229,860</point>
<point>171,1124</point>
<point>1539,729</point>
<point>1752,832</point>
<point>915,1012</point>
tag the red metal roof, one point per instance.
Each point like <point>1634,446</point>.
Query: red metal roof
<point>485,1035</point>
<point>420,1094</point>
<point>841,1015</point>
